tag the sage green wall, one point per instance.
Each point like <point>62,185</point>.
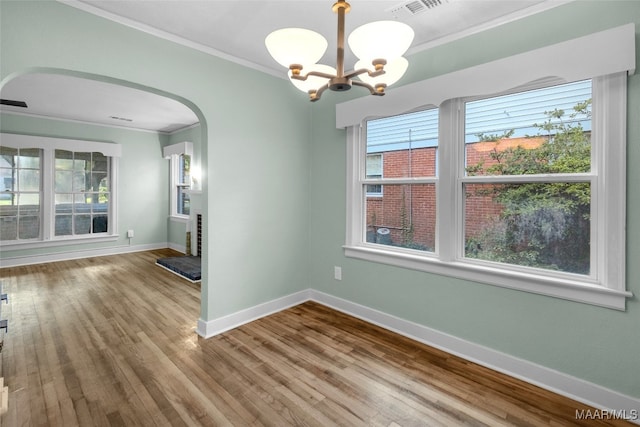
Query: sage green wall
<point>177,229</point>
<point>255,141</point>
<point>596,344</point>
<point>142,185</point>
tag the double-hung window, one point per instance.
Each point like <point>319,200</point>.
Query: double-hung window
<point>404,214</point>
<point>180,156</point>
<point>56,190</point>
<point>523,188</point>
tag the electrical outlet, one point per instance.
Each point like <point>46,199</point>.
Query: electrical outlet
<point>337,273</point>
<point>129,234</point>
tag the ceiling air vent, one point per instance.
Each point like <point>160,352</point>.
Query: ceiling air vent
<point>13,103</point>
<point>414,7</point>
<point>122,119</point>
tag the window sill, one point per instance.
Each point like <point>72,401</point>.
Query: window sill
<point>36,244</point>
<point>573,290</point>
<point>182,219</point>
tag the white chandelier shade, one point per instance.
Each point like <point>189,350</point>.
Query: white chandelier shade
<point>312,82</point>
<point>393,72</point>
<point>379,46</point>
<point>296,46</point>
<point>380,40</point>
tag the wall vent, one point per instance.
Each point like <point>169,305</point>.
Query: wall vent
<point>123,119</point>
<point>414,7</point>
<point>13,103</point>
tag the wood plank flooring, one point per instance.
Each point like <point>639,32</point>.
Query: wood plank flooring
<point>110,342</point>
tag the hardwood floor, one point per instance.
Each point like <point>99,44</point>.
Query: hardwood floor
<point>111,341</point>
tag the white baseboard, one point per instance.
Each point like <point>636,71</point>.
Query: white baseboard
<point>179,248</point>
<point>77,254</point>
<point>583,391</point>
<point>208,329</point>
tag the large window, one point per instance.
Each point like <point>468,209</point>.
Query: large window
<point>54,190</point>
<point>521,197</point>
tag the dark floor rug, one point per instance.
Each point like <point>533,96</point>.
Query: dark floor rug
<point>189,267</point>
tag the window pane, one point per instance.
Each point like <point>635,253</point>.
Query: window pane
<point>100,162</point>
<point>102,204</point>
<point>80,182</point>
<point>29,227</point>
<point>534,132</point>
<point>543,225</point>
<point>82,224</point>
<point>184,201</point>
<point>29,158</point>
<point>408,143</point>
<point>63,181</point>
<point>29,200</point>
<point>82,162</point>
<point>63,225</point>
<point>64,160</point>
<point>81,207</point>
<point>184,169</point>
<point>28,180</point>
<point>9,156</point>
<point>100,223</point>
<point>405,216</point>
<point>99,181</point>
<point>374,171</point>
<point>8,228</point>
<point>63,203</point>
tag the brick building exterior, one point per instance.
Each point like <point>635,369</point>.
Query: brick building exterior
<point>408,212</point>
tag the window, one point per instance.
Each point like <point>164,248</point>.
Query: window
<point>517,197</point>
<point>406,149</point>
<point>82,193</point>
<point>374,170</point>
<point>180,156</point>
<point>20,193</point>
<point>527,181</point>
<point>53,190</point>
<point>183,164</point>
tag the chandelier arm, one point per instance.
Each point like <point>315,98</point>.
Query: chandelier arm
<point>316,94</point>
<point>355,73</point>
<point>368,86</point>
<point>312,73</point>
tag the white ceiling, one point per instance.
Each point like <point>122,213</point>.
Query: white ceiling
<point>72,98</point>
<point>235,30</point>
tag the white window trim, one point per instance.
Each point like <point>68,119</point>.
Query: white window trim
<point>49,145</point>
<point>606,284</point>
<point>173,152</point>
<point>504,74</point>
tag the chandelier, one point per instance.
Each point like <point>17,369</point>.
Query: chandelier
<point>379,45</point>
